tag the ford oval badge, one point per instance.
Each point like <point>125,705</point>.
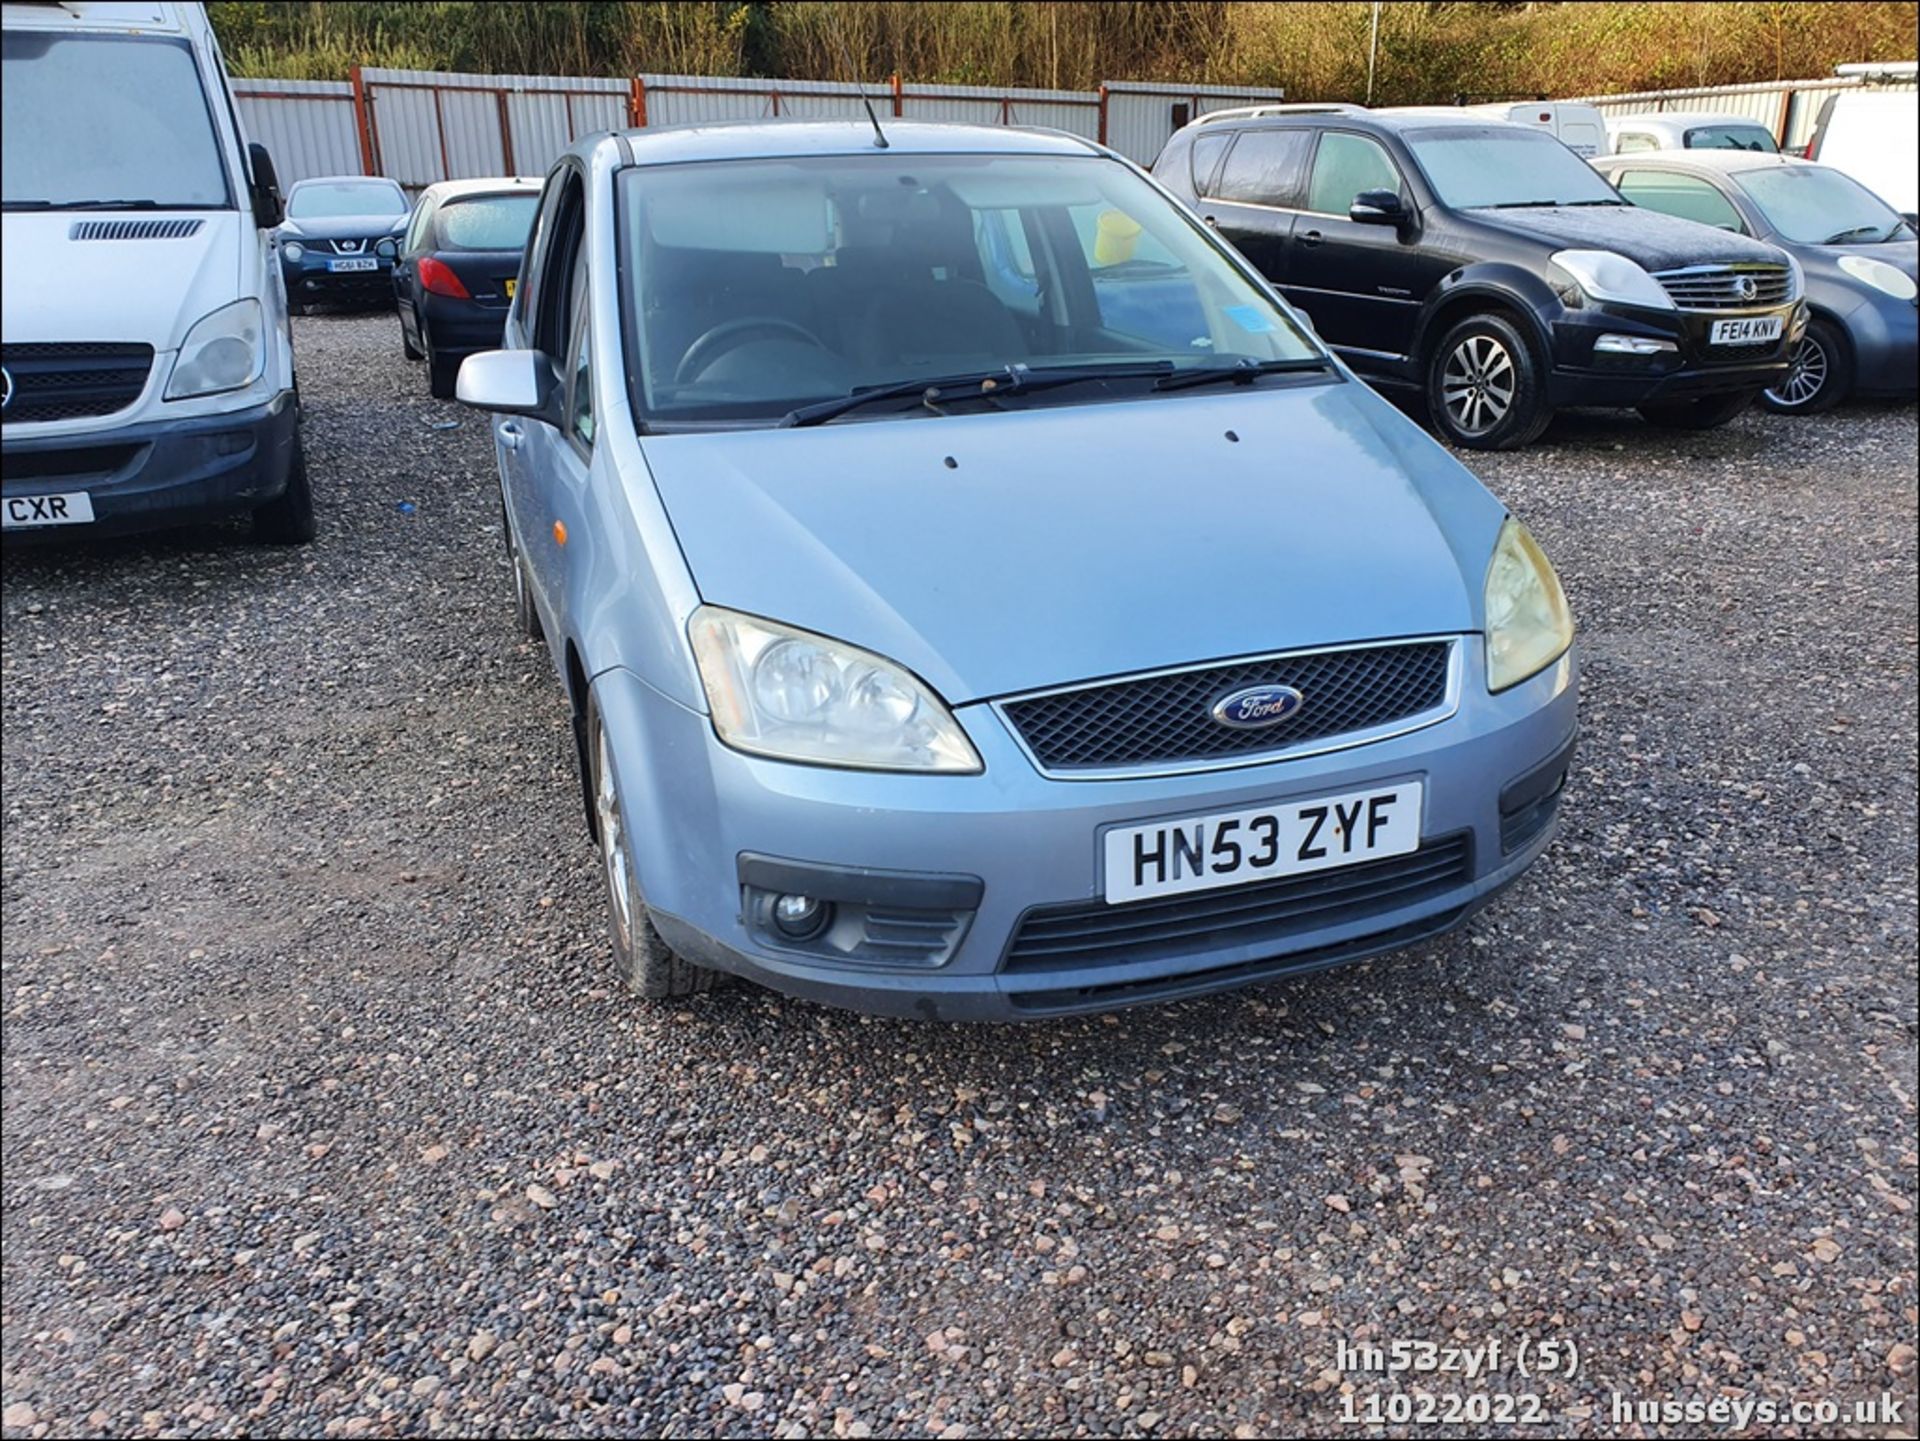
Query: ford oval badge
<point>1257,706</point>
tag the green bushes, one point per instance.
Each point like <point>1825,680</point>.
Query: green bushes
<point>1428,51</point>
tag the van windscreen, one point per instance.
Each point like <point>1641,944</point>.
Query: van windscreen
<point>106,121</point>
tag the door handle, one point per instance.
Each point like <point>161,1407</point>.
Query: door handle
<point>510,433</point>
<point>1312,237</point>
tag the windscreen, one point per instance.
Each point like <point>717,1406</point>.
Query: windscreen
<point>1732,137</point>
<point>105,121</point>
<point>759,286</point>
<point>487,222</point>
<point>333,199</point>
<point>1816,205</point>
<point>1505,166</point>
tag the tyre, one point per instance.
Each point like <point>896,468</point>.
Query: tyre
<point>1485,389</point>
<point>525,613</point>
<point>296,307</point>
<point>406,342</point>
<point>648,965</point>
<point>287,519</point>
<point>1819,374</point>
<point>1705,413</point>
<point>442,371</point>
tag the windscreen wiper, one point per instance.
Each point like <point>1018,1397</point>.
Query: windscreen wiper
<point>1861,230</point>
<point>1241,372</point>
<point>1015,379</point>
<point>83,205</point>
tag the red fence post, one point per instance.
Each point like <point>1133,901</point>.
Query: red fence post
<point>1102,134</point>
<point>899,99</point>
<point>506,132</point>
<point>637,104</point>
<point>363,123</point>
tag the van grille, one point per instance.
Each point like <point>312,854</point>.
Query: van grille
<point>1727,287</point>
<point>69,380</point>
<point>134,229</point>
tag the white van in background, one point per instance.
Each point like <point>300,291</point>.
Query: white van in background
<point>146,364</point>
<point>1581,128</point>
<point>1873,136</point>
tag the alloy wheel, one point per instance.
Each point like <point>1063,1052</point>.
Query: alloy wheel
<point>1806,374</point>
<point>1477,384</point>
<point>613,845</point>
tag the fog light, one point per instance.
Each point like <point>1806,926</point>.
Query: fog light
<point>1632,345</point>
<point>800,918</point>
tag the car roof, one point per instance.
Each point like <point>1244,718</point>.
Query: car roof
<point>342,180</point>
<point>485,185</point>
<point>1355,117</point>
<point>795,139</point>
<point>1726,162</point>
<point>1684,119</point>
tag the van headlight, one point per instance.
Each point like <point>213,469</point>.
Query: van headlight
<point>786,693</point>
<point>223,351</point>
<point>1528,623</point>
<point>1605,275</point>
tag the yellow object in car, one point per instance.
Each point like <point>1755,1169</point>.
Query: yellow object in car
<point>1114,238</point>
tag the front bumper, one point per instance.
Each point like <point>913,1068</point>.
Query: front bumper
<point>308,279</point>
<point>1694,367</point>
<point>157,472</point>
<point>1885,332</point>
<point>713,830</point>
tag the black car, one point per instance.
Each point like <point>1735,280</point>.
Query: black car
<point>1488,266</point>
<point>457,268</point>
<point>339,239</point>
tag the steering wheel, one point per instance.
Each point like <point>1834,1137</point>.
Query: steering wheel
<point>730,335</point>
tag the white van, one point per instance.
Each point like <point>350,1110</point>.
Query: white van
<point>1581,128</point>
<point>1873,136</point>
<point>146,365</point>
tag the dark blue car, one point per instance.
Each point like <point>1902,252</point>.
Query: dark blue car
<point>339,239</point>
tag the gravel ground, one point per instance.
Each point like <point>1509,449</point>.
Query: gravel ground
<point>323,1116</point>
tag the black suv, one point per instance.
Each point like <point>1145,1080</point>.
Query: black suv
<point>1488,265</point>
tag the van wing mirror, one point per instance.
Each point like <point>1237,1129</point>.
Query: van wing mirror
<point>510,382</point>
<point>268,209</point>
<point>1377,207</point>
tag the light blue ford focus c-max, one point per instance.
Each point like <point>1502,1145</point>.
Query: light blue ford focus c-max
<point>981,597</point>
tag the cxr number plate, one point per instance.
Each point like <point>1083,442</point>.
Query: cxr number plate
<point>1746,331</point>
<point>1286,838</point>
<point>24,511</point>
<point>336,266</point>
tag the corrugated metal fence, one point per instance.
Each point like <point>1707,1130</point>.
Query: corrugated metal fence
<point>419,126</point>
<point>1789,109</point>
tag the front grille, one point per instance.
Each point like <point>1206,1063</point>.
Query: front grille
<point>66,381</point>
<point>1092,933</point>
<point>134,229</point>
<point>1726,287</point>
<point>92,461</point>
<point>1168,719</point>
<point>351,247</point>
<point>1745,354</point>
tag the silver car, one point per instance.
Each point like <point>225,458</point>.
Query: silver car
<point>980,596</point>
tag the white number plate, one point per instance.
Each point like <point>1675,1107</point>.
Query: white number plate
<point>1286,838</point>
<point>24,511</point>
<point>1745,332</point>
<point>339,265</point>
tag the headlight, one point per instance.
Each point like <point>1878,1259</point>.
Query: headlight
<point>293,250</point>
<point>1799,278</point>
<point>1528,623</point>
<point>223,351</point>
<point>1880,275</point>
<point>1603,275</point>
<point>782,692</point>
<point>386,247</point>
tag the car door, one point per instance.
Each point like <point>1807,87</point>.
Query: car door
<point>547,503</point>
<point>405,266</point>
<point>1363,284</point>
<point>1251,196</point>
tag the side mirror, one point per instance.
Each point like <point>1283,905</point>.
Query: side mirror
<point>512,382</point>
<point>1377,207</point>
<point>268,209</point>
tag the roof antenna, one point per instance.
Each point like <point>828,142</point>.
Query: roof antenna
<point>853,72</point>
